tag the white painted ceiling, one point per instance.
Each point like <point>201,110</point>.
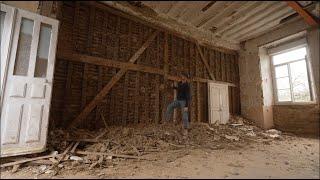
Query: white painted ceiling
<point>235,21</point>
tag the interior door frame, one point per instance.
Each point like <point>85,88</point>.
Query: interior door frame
<point>6,40</point>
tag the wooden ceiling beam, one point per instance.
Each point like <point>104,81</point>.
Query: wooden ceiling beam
<point>312,21</point>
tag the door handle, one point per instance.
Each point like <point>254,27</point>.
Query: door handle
<point>47,82</point>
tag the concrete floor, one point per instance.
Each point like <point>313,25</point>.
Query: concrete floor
<point>292,157</point>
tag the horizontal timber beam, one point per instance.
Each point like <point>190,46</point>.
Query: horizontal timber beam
<point>109,63</point>
<point>82,58</point>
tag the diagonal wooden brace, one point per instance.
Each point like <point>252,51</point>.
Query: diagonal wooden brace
<point>99,97</point>
<point>205,62</point>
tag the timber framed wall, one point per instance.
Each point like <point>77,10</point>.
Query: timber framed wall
<point>90,29</point>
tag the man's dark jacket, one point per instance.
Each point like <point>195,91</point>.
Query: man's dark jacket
<point>183,92</point>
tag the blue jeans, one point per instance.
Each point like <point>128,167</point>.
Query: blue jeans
<point>181,104</point>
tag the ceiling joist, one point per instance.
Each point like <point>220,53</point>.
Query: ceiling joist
<point>312,21</point>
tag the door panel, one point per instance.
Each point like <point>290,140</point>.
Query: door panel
<point>215,97</point>
<point>11,128</point>
<point>27,92</point>
<point>18,90</point>
<point>34,123</point>
<point>38,90</point>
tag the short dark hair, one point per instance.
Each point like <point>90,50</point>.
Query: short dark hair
<point>185,74</point>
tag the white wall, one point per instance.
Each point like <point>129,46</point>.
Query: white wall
<point>254,79</point>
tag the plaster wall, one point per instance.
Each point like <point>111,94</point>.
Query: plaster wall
<point>255,91</point>
<point>26,5</point>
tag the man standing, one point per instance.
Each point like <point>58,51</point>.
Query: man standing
<point>183,98</point>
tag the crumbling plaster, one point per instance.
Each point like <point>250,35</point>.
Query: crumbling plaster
<point>31,6</point>
<point>256,103</point>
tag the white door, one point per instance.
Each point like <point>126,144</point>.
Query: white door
<point>218,103</point>
<point>28,85</point>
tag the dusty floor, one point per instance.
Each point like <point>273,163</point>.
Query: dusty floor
<point>289,157</point>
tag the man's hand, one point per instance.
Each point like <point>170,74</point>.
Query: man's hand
<point>162,86</point>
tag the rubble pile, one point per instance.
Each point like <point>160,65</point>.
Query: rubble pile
<point>142,139</point>
<point>103,148</point>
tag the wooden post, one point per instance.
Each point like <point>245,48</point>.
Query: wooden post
<point>67,91</point>
<point>198,102</point>
<point>125,97</point>
<point>125,89</point>
<point>157,91</point>
<point>136,97</point>
<point>113,81</point>
<point>84,86</point>
<point>99,112</point>
<point>165,77</point>
<point>174,82</point>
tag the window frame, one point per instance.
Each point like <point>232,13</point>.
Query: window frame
<point>274,81</point>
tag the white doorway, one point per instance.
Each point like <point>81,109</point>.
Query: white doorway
<point>218,103</point>
<point>28,84</point>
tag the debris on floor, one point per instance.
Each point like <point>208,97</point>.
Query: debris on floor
<point>105,148</point>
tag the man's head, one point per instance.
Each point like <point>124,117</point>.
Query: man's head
<point>185,76</point>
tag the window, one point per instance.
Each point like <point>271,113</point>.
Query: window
<point>291,76</point>
<point>24,47</point>
<point>43,51</point>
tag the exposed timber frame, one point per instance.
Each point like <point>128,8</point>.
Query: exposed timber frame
<point>99,97</point>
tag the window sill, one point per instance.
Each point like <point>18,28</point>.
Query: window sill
<point>296,103</point>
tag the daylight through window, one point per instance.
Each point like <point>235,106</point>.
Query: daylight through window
<point>291,76</point>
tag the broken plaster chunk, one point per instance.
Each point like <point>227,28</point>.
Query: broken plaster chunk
<point>53,160</point>
<point>216,137</point>
<point>251,133</point>
<point>15,168</point>
<point>236,124</point>
<point>42,168</point>
<point>274,136</point>
<point>273,131</point>
<point>109,157</point>
<point>76,158</point>
<point>49,172</point>
<point>54,153</point>
<point>232,137</point>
